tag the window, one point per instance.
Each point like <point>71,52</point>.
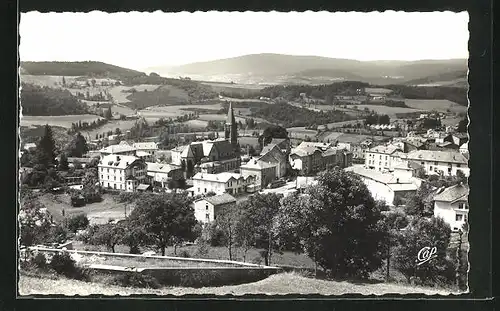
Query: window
<point>459,217</point>
<point>115,178</point>
<point>430,167</point>
<point>462,206</point>
<point>107,170</point>
<point>114,186</point>
<point>458,165</point>
<point>120,179</point>
<point>205,190</point>
<point>102,176</point>
<point>206,207</point>
<point>435,163</point>
<point>386,158</point>
<point>207,217</point>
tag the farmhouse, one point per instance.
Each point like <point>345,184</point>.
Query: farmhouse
<point>382,157</point>
<point>388,187</point>
<point>440,162</point>
<point>121,172</point>
<point>161,174</point>
<point>451,205</point>
<point>273,154</point>
<point>207,208</point>
<point>220,183</point>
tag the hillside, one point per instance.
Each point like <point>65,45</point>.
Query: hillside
<point>46,101</point>
<point>269,68</point>
<point>452,78</point>
<point>88,68</point>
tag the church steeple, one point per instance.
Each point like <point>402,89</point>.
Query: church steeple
<point>231,130</point>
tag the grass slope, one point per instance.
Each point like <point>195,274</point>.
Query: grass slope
<point>88,68</point>
<point>279,284</point>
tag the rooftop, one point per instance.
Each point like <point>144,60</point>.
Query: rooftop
<point>117,161</point>
<point>438,156</point>
<point>145,146</point>
<point>385,149</point>
<point>115,149</point>
<point>385,178</point>
<point>159,167</point>
<point>222,199</point>
<point>221,177</point>
<point>453,193</point>
<point>256,164</point>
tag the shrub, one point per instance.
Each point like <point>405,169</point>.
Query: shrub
<point>184,254</point>
<point>77,222</point>
<point>62,263</point>
<point>40,261</point>
<point>136,280</point>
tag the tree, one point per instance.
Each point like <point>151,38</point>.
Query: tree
<point>46,147</point>
<point>91,188</point>
<point>118,131</point>
<point>78,146</point>
<point>63,162</point>
<point>133,235</point>
<point>420,233</point>
<point>419,204</point>
<point>163,217</point>
<point>259,212</point>
<point>226,221</point>
<point>462,125</point>
<point>290,223</point>
<point>342,215</point>
<point>108,235</point>
<point>273,131</point>
<point>77,222</point>
<point>63,81</point>
<point>392,223</point>
<point>34,221</point>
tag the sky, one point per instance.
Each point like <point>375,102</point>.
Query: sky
<point>140,40</point>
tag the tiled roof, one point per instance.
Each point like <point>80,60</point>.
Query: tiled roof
<point>117,161</point>
<point>160,167</point>
<point>221,177</point>
<point>453,193</point>
<point>385,149</point>
<point>114,149</point>
<point>437,156</point>
<point>224,198</point>
<point>256,164</point>
<point>385,178</point>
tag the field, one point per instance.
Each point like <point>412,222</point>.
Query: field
<point>50,81</point>
<point>278,284</point>
<point>164,95</point>
<point>62,121</point>
<point>391,111</point>
<point>98,213</point>
<point>217,86</point>
<point>440,105</point>
<point>372,90</point>
<point>123,125</point>
<point>300,132</point>
<point>120,96</point>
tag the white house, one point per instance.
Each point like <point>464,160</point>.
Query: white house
<point>383,158</point>
<point>121,172</point>
<point>386,186</point>
<point>120,149</point>
<point>231,183</point>
<point>263,172</point>
<point>207,208</point>
<point>440,162</point>
<point>464,149</point>
<point>451,205</point>
<point>147,147</point>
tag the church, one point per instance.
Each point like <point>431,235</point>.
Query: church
<point>211,156</point>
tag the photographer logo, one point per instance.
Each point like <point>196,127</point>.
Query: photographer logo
<point>426,254</point>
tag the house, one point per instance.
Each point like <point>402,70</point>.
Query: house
<point>283,143</point>
<point>309,158</point>
<point>72,162</point>
<point>161,174</point>
<point>207,208</point>
<point>122,172</point>
<point>220,183</point>
<point>451,205</point>
<point>386,186</point>
<point>413,144</point>
<point>440,162</point>
<point>383,158</point>
<point>464,148</point>
<point>123,149</point>
<point>263,172</point>
<point>274,154</point>
<point>148,147</point>
<point>458,138</point>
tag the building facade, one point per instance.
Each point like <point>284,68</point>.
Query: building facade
<point>231,183</point>
<point>263,172</point>
<point>383,158</point>
<point>122,172</point>
<point>161,174</point>
<point>206,209</point>
<point>445,163</point>
<point>451,205</point>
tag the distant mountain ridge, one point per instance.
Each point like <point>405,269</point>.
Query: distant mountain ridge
<point>271,67</point>
<point>86,68</point>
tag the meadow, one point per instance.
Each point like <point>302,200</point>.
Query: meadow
<point>440,105</point>
<point>62,121</point>
<point>120,93</point>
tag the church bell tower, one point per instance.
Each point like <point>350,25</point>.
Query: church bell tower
<point>231,130</point>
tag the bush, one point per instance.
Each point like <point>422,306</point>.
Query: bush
<point>62,263</point>
<point>40,261</point>
<point>77,222</point>
<point>184,254</point>
<point>136,280</point>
